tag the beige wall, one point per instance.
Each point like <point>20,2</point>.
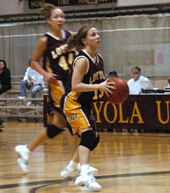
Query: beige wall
<point>11,7</point>
<point>140,2</point>
<point>126,41</point>
<point>14,7</point>
<point>21,6</point>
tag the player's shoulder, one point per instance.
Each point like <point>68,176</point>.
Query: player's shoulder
<point>43,38</point>
<point>80,58</point>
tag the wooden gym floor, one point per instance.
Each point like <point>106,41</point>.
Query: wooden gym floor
<point>127,163</point>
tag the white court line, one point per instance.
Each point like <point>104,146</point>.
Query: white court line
<point>137,29</point>
<point>102,31</point>
<point>21,35</point>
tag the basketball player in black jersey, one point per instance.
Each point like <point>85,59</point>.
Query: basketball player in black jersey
<point>88,82</point>
<point>53,51</point>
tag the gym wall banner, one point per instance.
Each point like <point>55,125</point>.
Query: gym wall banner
<point>150,113</point>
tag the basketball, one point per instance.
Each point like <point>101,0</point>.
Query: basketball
<point>121,91</point>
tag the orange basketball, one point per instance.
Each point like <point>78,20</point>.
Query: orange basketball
<point>121,91</point>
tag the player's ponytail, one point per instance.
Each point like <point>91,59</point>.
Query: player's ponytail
<point>77,40</point>
<point>47,9</point>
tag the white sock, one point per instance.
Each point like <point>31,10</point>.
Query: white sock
<point>72,164</point>
<point>84,169</point>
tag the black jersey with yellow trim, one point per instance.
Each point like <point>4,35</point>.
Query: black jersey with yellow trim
<point>57,61</point>
<point>94,75</point>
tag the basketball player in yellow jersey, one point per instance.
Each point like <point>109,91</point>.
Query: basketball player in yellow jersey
<point>87,79</point>
<point>52,50</point>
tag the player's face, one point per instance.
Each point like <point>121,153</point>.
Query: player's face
<point>56,19</point>
<point>93,38</point>
<point>135,74</point>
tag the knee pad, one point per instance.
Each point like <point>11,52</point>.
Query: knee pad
<point>89,140</point>
<point>53,131</point>
<point>96,141</point>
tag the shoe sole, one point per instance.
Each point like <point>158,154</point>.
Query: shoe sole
<point>19,154</point>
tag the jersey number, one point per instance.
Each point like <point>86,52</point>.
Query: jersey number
<point>64,62</point>
<point>98,95</point>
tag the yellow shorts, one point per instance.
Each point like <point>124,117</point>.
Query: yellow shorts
<point>56,92</point>
<point>75,115</point>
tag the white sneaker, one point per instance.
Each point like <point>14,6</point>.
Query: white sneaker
<point>80,181</point>
<point>68,170</point>
<point>72,167</point>
<point>23,165</point>
<point>92,185</point>
<point>84,174</point>
<point>23,152</point>
<point>89,181</point>
<point>91,169</point>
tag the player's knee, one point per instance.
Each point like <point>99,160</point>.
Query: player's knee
<point>89,140</point>
<point>53,131</point>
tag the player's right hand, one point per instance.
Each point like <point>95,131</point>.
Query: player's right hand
<point>50,78</point>
<point>107,87</point>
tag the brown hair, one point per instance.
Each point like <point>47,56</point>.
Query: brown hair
<point>137,68</point>
<point>76,40</point>
<point>47,9</point>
